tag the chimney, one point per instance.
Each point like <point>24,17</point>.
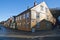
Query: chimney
<point>35,3</point>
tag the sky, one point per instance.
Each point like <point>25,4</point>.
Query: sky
<point>9,8</point>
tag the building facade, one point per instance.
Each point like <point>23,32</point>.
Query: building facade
<point>37,17</point>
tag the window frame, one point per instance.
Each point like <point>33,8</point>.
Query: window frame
<point>46,9</point>
<point>27,15</point>
<point>38,15</point>
<point>42,7</point>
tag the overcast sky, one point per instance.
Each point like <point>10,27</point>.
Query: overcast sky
<point>10,8</point>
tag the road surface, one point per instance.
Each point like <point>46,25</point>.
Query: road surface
<point>10,34</point>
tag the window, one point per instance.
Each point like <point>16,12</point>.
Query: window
<point>23,15</point>
<point>26,25</point>
<point>46,9</point>
<point>42,8</point>
<point>23,23</point>
<point>20,23</point>
<point>27,15</point>
<point>32,20</point>
<point>47,24</point>
<point>38,25</point>
<point>47,17</point>
<point>16,18</point>
<point>20,17</point>
<point>37,15</point>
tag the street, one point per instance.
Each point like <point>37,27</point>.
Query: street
<point>10,34</point>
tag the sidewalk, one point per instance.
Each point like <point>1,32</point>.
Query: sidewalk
<point>23,34</point>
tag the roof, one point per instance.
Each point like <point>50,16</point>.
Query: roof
<point>28,9</point>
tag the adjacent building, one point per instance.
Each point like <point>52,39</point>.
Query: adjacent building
<point>56,13</point>
<point>7,23</point>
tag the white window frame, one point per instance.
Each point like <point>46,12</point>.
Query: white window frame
<point>46,9</point>
<point>42,7</point>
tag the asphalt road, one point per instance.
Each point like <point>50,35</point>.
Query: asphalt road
<point>10,34</point>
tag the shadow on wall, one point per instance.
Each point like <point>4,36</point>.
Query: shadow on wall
<point>44,25</point>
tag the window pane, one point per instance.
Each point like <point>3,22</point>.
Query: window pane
<point>23,15</point>
<point>27,15</point>
<point>37,15</point>
<point>42,8</point>
<point>18,18</point>
<point>46,9</point>
<point>38,25</point>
